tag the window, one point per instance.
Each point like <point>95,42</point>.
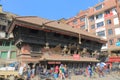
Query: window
<point>4,55</point>
<point>100,24</point>
<point>3,19</point>
<point>109,21</point>
<point>91,18</point>
<point>116,21</point>
<point>111,41</point>
<point>99,16</point>
<point>98,7</point>
<point>2,28</point>
<point>104,45</point>
<point>118,39</point>
<point>110,31</point>
<point>74,21</point>
<point>117,31</point>
<point>82,19</point>
<point>101,33</point>
<point>107,12</point>
<point>13,55</point>
<point>82,27</point>
<point>34,31</point>
<point>93,26</point>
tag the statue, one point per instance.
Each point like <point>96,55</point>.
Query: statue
<point>46,49</point>
<point>57,49</point>
<point>84,52</point>
<point>64,51</point>
<point>94,53</point>
<point>47,46</point>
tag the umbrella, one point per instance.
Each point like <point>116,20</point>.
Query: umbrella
<point>101,64</point>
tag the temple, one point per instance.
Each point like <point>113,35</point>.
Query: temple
<point>53,42</point>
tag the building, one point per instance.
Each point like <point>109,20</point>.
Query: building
<point>48,42</point>
<point>7,49</point>
<point>102,20</point>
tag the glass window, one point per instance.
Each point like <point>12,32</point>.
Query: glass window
<point>107,12</point>
<point>82,27</point>
<point>99,16</point>
<point>82,19</point>
<point>101,33</point>
<point>118,39</point>
<point>13,55</point>
<point>74,21</point>
<point>91,18</point>
<point>104,45</point>
<point>3,55</point>
<point>109,21</point>
<point>93,26</point>
<point>111,41</point>
<point>110,31</point>
<point>2,28</point>
<point>100,24</point>
<point>98,7</point>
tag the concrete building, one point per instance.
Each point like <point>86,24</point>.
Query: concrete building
<point>101,20</point>
<point>7,49</point>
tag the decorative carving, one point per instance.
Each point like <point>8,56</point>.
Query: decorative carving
<point>65,50</point>
<point>84,52</point>
<point>47,46</point>
<point>25,49</point>
<point>94,53</point>
<point>57,49</point>
<point>46,49</point>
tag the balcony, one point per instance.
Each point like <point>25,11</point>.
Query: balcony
<point>3,22</point>
<point>6,48</point>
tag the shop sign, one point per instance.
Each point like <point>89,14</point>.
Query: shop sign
<point>76,56</point>
<point>114,59</point>
<point>53,62</point>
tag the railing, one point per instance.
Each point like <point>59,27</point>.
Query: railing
<point>7,47</point>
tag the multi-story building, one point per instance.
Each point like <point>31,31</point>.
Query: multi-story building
<point>102,20</point>
<point>7,49</point>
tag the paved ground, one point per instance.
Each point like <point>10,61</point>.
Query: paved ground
<point>112,76</point>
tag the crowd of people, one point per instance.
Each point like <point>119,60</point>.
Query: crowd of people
<point>62,71</point>
<point>101,70</point>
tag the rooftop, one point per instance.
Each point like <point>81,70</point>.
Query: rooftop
<point>56,25</point>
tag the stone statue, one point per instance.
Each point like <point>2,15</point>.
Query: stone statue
<point>47,46</point>
<point>94,53</point>
<point>64,51</point>
<point>84,52</point>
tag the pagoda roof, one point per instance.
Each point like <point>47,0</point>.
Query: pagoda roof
<point>35,22</point>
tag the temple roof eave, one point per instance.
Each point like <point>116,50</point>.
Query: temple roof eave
<point>56,26</point>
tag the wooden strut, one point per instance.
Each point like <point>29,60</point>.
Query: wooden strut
<point>79,39</point>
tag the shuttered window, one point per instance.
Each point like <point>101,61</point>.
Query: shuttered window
<point>4,55</point>
<point>13,55</point>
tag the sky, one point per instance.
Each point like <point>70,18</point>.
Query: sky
<point>49,9</point>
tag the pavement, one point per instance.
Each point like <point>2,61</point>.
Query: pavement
<point>112,76</point>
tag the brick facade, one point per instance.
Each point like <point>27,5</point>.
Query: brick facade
<point>104,16</point>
